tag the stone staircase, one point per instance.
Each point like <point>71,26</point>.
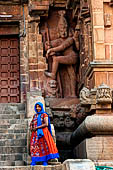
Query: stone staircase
<point>13,135</point>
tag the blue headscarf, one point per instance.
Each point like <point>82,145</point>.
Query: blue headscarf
<point>40,131</point>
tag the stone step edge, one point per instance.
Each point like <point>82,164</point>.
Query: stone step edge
<point>29,166</point>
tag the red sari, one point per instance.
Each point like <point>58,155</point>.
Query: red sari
<point>44,148</point>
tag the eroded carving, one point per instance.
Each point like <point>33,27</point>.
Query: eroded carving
<point>104,94</point>
<point>51,89</point>
<point>85,96</point>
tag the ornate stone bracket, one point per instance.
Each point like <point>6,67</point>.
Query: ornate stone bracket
<point>97,100</point>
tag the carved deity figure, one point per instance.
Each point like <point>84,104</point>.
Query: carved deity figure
<point>61,50</point>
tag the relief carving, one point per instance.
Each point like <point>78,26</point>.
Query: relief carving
<point>51,89</point>
<point>104,94</point>
<point>63,57</point>
<point>85,96</point>
<point>107,20</point>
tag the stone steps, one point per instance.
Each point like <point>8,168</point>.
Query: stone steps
<point>15,130</point>
<point>13,121</point>
<point>13,142</point>
<point>9,116</point>
<point>12,116</point>
<point>11,163</point>
<point>38,167</point>
<point>10,157</point>
<point>13,136</point>
<point>13,149</point>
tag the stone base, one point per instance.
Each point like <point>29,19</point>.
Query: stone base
<point>37,167</point>
<point>96,148</point>
<point>78,164</point>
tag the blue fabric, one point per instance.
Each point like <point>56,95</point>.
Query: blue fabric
<point>44,163</point>
<point>45,158</point>
<point>40,131</point>
<point>33,163</point>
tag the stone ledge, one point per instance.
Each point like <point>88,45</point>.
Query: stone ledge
<point>37,167</point>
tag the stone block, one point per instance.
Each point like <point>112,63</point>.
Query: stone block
<point>110,79</point>
<point>97,5</point>
<point>99,51</point>
<point>96,148</point>
<point>33,75</point>
<point>33,67</point>
<point>33,60</point>
<point>41,66</point>
<point>38,167</point>
<point>39,38</point>
<point>107,35</point>
<point>32,37</point>
<point>107,52</point>
<point>99,35</point>
<point>98,19</point>
<point>58,167</point>
<point>112,52</point>
<point>78,164</point>
<point>101,77</point>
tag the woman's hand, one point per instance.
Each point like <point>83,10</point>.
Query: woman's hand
<point>34,129</point>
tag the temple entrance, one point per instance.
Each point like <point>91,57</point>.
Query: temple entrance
<point>9,69</point>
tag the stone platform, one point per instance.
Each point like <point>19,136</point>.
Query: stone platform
<point>38,167</point>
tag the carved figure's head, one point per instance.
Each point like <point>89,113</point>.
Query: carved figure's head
<point>62,25</point>
<point>53,84</point>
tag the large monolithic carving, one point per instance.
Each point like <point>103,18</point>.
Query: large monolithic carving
<point>61,51</point>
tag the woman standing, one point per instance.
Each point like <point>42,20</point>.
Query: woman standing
<point>42,146</point>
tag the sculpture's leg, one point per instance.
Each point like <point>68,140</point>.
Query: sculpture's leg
<point>72,76</point>
<point>55,66</point>
<point>54,69</point>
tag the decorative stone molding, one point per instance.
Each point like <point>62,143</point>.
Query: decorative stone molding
<point>98,100</point>
<point>104,94</point>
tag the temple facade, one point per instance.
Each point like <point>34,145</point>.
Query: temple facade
<point>58,52</point>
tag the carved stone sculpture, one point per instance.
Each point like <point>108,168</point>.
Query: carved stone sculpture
<point>104,94</point>
<point>107,20</point>
<point>51,89</point>
<point>85,96</point>
<point>61,51</point>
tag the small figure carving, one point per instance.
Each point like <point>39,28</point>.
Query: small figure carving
<point>85,96</point>
<point>104,94</point>
<point>51,88</point>
<point>69,123</point>
<point>61,50</point>
<point>58,122</point>
<point>107,20</point>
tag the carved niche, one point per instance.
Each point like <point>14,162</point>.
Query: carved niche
<point>61,51</point>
